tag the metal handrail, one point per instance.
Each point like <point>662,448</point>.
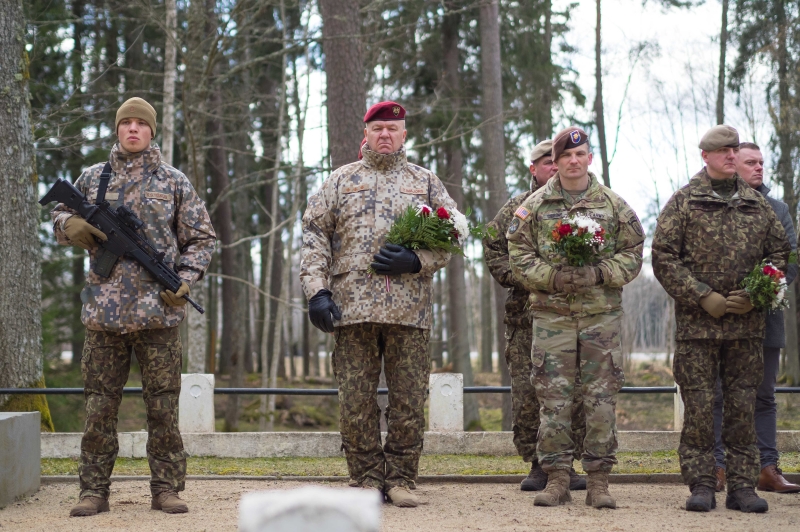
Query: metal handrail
<point>334,391</point>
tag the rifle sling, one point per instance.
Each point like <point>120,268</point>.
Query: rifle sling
<point>105,177</point>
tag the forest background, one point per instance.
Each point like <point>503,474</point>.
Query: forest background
<point>259,100</point>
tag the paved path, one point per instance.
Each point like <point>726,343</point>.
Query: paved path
<point>491,507</point>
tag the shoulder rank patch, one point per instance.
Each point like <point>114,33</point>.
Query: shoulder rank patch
<point>522,213</point>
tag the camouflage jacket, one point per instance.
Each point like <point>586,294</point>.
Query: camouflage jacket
<point>346,223</point>
<point>704,243</point>
<point>175,222</point>
<point>534,260</point>
<point>495,253</point>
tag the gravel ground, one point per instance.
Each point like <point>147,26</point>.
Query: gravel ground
<point>494,507</point>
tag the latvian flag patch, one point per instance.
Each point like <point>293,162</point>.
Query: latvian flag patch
<point>522,213</point>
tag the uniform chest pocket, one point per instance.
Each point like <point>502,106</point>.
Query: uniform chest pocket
<point>356,200</point>
<point>701,207</point>
<point>159,207</point>
<point>748,210</point>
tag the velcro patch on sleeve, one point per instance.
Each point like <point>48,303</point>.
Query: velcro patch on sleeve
<point>522,213</point>
<point>157,195</point>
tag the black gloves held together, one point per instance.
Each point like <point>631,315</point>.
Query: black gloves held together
<point>320,309</point>
<point>396,260</point>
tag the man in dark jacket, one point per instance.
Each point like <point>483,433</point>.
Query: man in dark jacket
<point>750,167</point>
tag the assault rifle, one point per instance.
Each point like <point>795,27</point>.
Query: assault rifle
<point>121,227</point>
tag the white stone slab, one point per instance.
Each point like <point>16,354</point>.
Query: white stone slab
<point>446,411</point>
<point>311,509</point>
<point>196,403</point>
<point>20,455</point>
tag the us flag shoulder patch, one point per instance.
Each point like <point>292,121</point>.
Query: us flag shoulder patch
<point>522,213</point>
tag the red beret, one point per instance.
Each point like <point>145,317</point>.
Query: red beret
<point>385,111</point>
<point>568,138</point>
<point>363,143</point>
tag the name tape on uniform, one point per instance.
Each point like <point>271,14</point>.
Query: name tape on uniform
<point>157,195</point>
<point>412,190</point>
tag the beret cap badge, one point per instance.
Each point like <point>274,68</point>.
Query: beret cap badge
<point>575,136</point>
<point>396,110</point>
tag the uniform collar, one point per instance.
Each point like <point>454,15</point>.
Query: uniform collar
<point>553,190</point>
<point>123,161</point>
<point>384,162</point>
<point>700,187</point>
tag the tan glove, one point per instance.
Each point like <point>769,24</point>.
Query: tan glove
<point>738,302</point>
<point>176,299</point>
<point>714,304</point>
<point>587,276</point>
<point>564,280</point>
<point>81,233</point>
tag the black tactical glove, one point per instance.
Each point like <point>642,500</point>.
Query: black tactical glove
<point>396,260</point>
<point>320,309</point>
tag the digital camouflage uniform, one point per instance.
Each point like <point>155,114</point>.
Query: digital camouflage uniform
<point>578,334</point>
<point>125,312</point>
<point>519,339</point>
<point>705,243</point>
<point>345,224</point>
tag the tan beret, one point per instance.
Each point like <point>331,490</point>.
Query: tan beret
<point>542,149</point>
<point>568,138</point>
<point>720,136</point>
<point>137,108</point>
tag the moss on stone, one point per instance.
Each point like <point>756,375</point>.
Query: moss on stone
<point>31,403</point>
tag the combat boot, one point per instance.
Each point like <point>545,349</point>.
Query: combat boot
<point>597,495</point>
<point>89,506</point>
<point>746,500</point>
<point>169,503</point>
<point>702,499</point>
<point>536,479</point>
<point>557,490</point>
<point>576,482</point>
<point>402,497</point>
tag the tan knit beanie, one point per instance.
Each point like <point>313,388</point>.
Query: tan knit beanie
<point>137,108</point>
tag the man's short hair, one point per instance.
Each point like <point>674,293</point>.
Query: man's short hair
<point>749,146</point>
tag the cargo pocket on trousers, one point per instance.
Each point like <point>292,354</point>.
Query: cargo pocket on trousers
<point>537,356</point>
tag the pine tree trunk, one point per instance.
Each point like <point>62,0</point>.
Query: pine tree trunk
<point>457,330</point>
<point>544,127</point>
<point>194,110</point>
<point>598,99</point>
<point>723,48</point>
<point>20,268</point>
<point>170,71</point>
<point>786,142</point>
<point>344,70</point>
<point>494,156</point>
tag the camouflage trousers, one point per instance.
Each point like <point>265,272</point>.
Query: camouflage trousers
<point>524,404</point>
<point>105,366</point>
<point>357,367</point>
<point>566,348</point>
<point>740,368</point>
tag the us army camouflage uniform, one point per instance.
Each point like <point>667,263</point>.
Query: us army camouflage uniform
<point>704,243</point>
<point>125,312</point>
<point>345,224</point>
<point>577,335</point>
<point>519,339</point>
